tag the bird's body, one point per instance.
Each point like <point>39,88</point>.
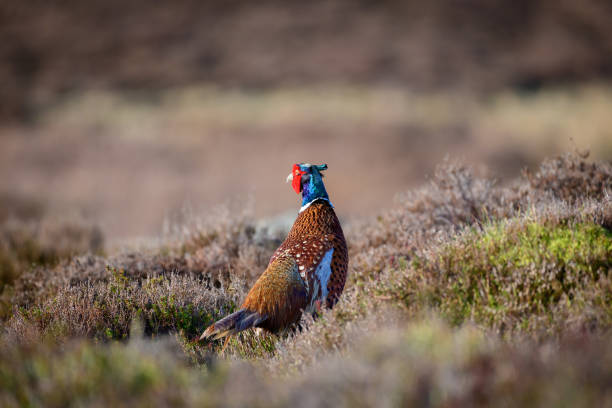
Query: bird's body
<point>306,272</point>
<point>316,233</point>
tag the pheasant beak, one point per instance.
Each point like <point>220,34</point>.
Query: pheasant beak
<point>289,177</point>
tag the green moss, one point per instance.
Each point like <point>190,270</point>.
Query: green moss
<point>534,243</point>
<point>508,273</point>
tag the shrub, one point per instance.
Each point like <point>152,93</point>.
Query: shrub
<point>570,178</point>
<point>39,244</point>
<point>521,274</point>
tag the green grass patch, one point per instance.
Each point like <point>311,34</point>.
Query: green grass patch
<point>512,275</point>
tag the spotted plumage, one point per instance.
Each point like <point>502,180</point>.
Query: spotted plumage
<point>306,272</point>
<point>314,232</point>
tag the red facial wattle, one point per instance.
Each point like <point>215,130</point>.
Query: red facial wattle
<point>296,183</point>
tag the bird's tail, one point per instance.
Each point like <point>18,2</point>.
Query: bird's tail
<point>232,324</point>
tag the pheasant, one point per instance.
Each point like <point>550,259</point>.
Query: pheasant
<point>305,273</point>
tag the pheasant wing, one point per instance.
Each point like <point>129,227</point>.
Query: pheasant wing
<point>279,295</point>
<point>313,255</point>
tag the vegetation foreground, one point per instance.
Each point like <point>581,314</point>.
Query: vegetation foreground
<point>465,293</point>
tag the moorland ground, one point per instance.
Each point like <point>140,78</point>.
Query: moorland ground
<point>464,292</point>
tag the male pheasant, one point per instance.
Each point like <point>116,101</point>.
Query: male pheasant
<point>306,272</point>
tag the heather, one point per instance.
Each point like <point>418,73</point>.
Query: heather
<point>465,291</point>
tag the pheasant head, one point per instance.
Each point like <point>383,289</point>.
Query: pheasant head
<point>307,179</point>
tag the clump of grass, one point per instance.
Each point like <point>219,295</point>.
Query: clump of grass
<point>24,244</point>
<point>452,199</point>
<point>39,242</point>
<point>105,309</point>
<point>570,178</point>
<point>522,275</point>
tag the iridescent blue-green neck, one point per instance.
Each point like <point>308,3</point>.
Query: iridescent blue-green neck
<point>314,189</point>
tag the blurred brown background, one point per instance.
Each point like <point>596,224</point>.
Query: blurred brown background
<point>126,111</point>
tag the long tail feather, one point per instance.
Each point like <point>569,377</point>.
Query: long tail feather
<point>232,324</point>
